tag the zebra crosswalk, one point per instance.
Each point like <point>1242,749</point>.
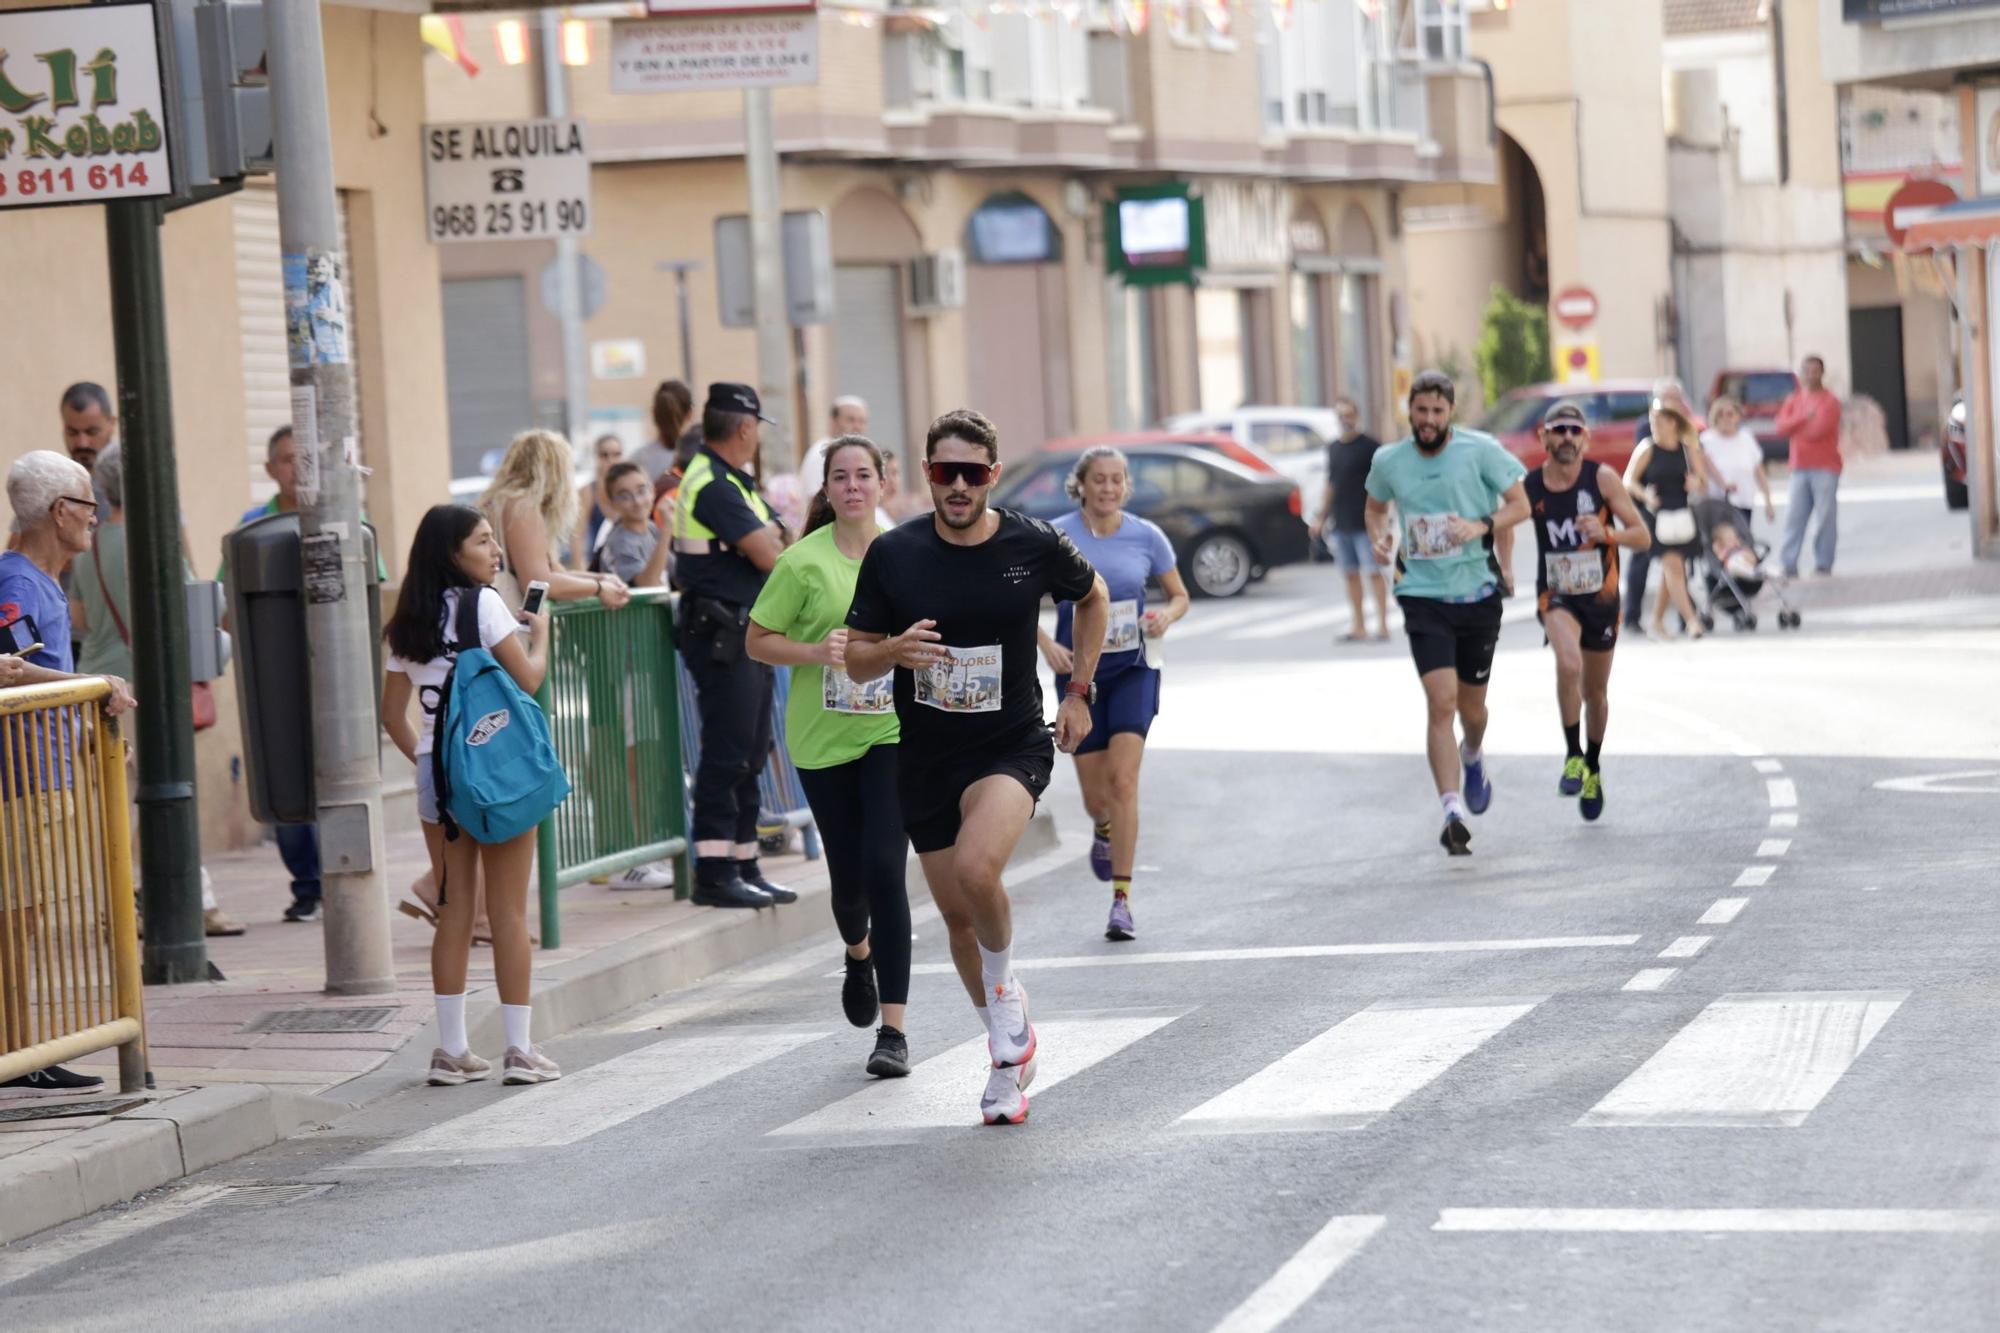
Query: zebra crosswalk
<point>1749,1060</point>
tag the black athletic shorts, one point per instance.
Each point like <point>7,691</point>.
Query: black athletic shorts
<point>931,788</point>
<point>1461,635</point>
<point>1599,619</point>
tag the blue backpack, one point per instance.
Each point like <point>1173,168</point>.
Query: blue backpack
<point>492,762</point>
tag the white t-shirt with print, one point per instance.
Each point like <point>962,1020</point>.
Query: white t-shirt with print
<point>1734,459</point>
<point>496,622</point>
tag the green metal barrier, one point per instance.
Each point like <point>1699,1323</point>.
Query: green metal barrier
<point>612,699</point>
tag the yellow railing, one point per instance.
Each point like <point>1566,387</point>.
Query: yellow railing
<point>69,938</point>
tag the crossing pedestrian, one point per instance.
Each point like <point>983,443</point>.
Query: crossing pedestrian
<point>1342,521</point>
<point>726,542</point>
<point>842,738</point>
<point>455,555</point>
<point>1810,419</point>
<point>1668,474</point>
<point>1454,490</point>
<point>952,606</point>
<point>1128,552</point>
<point>1572,504</point>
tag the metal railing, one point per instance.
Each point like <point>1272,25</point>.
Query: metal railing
<point>69,937</point>
<point>781,796</point>
<point>613,702</point>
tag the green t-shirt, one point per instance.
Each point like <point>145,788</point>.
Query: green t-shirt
<point>103,650</point>
<point>1466,478</point>
<point>829,720</point>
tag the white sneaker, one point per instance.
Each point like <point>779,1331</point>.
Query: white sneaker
<point>1010,1036</point>
<point>657,875</point>
<point>529,1066</point>
<point>451,1070</point>
<point>1004,1101</point>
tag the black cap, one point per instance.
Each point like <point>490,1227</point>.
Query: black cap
<point>1566,410</point>
<point>726,397</point>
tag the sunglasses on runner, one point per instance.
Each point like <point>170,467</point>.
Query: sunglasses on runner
<point>972,474</point>
<point>1565,428</point>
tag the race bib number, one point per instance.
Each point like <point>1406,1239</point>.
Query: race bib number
<point>1575,573</point>
<point>968,682</point>
<point>1122,635</point>
<point>1428,537</point>
<point>839,693</point>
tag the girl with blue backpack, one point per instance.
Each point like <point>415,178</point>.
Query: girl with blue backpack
<point>486,771</point>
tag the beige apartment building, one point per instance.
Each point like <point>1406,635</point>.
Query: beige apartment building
<point>932,132</point>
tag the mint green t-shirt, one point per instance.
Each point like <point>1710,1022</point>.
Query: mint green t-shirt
<point>1466,478</point>
<point>830,720</point>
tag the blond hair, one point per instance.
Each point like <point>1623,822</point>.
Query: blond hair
<point>539,468</point>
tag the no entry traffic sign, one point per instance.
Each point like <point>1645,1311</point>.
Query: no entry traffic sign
<point>1575,306</point>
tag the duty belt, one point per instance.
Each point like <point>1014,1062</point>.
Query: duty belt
<point>700,546</point>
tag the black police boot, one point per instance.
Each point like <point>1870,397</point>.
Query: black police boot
<point>753,875</point>
<point>717,885</point>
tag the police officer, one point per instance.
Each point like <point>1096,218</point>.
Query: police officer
<point>727,540</point>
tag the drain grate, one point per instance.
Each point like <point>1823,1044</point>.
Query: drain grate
<point>365,1019</point>
<point>65,1110</point>
<point>269,1196</point>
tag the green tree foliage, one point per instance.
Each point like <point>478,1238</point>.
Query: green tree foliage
<point>1513,344</point>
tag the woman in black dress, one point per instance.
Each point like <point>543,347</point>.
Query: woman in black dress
<point>1665,473</point>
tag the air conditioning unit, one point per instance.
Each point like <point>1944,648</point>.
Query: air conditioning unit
<point>937,281</point>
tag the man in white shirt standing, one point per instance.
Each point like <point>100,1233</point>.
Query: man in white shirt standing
<point>849,417</point>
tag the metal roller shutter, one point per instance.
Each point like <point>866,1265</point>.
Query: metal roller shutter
<point>486,367</point>
<point>868,349</point>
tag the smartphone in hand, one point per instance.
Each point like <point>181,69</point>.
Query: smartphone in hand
<point>538,592</point>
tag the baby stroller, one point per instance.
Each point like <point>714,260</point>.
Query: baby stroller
<point>1733,569</point>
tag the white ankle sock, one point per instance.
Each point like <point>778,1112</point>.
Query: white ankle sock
<point>1452,804</point>
<point>1467,755</point>
<point>451,1024</point>
<point>995,966</point>
<point>515,1018</point>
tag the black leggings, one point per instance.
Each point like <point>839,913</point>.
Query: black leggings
<point>860,821</point>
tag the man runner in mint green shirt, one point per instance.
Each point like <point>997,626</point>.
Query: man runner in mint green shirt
<point>1454,491</point>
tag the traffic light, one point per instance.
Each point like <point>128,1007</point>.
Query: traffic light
<point>235,87</point>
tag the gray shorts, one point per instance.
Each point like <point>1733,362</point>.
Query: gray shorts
<point>1354,551</point>
<point>427,797</point>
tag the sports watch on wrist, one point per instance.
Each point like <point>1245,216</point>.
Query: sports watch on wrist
<point>1085,690</point>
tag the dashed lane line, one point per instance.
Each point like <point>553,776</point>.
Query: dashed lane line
<point>1774,846</point>
<point>1687,946</point>
<point>1754,877</point>
<point>1651,978</point>
<point>1724,911</point>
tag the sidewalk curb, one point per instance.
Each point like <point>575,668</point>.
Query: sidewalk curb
<point>186,1132</point>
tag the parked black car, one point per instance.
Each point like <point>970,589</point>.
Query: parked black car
<point>1228,524</point>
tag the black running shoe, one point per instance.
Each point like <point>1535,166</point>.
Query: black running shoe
<point>892,1054</point>
<point>55,1081</point>
<point>303,910</point>
<point>753,874</point>
<point>1456,838</point>
<point>858,996</point>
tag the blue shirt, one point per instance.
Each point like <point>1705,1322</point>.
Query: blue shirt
<point>1465,479</point>
<point>1137,552</point>
<point>26,593</point>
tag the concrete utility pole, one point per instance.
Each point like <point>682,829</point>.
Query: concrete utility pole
<point>347,760</point>
<point>776,450</point>
<point>569,275</point>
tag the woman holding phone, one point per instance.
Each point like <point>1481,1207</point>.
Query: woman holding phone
<point>455,555</point>
<point>842,737</point>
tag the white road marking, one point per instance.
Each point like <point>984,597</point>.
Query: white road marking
<point>1968,1221</point>
<point>1723,912</point>
<point>943,1091</point>
<point>1774,846</point>
<point>1751,1060</point>
<point>1285,1291</point>
<point>1305,621</point>
<point>1651,978</point>
<point>1357,1070</point>
<point>17,1262</point>
<point>1029,966</point>
<point>1947,784</point>
<point>1789,819</point>
<point>1768,765</point>
<point>1754,877</point>
<point>1214,622</point>
<point>1783,793</point>
<point>593,1100</point>
<point>1687,946</point>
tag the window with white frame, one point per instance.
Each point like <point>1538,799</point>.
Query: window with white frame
<point>1440,30</point>
<point>979,58</point>
<point>1307,57</point>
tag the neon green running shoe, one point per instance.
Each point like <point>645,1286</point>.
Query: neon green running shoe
<point>1572,779</point>
<point>1592,804</point>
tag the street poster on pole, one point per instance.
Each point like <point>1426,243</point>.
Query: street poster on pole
<point>766,47</point>
<point>507,180</point>
<point>82,110</point>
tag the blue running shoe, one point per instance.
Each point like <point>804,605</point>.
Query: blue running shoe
<point>1478,791</point>
<point>1572,778</point>
<point>1592,804</point>
<point>1100,855</point>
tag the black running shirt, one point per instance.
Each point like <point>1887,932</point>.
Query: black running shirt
<point>1566,567</point>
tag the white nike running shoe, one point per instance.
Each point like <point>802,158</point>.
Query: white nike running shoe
<point>1010,1038</point>
<point>1005,1101</point>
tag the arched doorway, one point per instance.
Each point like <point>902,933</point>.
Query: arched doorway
<point>877,353</point>
<point>1016,321</point>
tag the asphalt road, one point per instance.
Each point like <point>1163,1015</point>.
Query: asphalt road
<point>1726,1059</point>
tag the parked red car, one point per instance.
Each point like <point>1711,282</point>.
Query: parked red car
<point>1249,455</point>
<point>1615,409</point>
<point>1762,392</point>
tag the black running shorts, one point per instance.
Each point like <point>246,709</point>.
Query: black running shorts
<point>931,789</point>
<point>1457,635</point>
<point>1597,617</point>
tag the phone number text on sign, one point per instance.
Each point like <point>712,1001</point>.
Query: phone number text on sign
<point>83,115</point>
<point>67,185</point>
<point>506,180</point>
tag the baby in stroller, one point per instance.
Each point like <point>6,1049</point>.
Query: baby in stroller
<point>1733,573</point>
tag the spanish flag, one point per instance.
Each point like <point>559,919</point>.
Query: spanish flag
<point>445,34</point>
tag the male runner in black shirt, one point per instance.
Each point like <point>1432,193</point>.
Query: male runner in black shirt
<point>951,601</point>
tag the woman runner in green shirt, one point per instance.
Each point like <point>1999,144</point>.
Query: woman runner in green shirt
<point>842,738</point>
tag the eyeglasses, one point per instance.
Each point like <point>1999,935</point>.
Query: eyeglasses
<point>91,505</point>
<point>972,474</point>
<point>1566,428</point>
